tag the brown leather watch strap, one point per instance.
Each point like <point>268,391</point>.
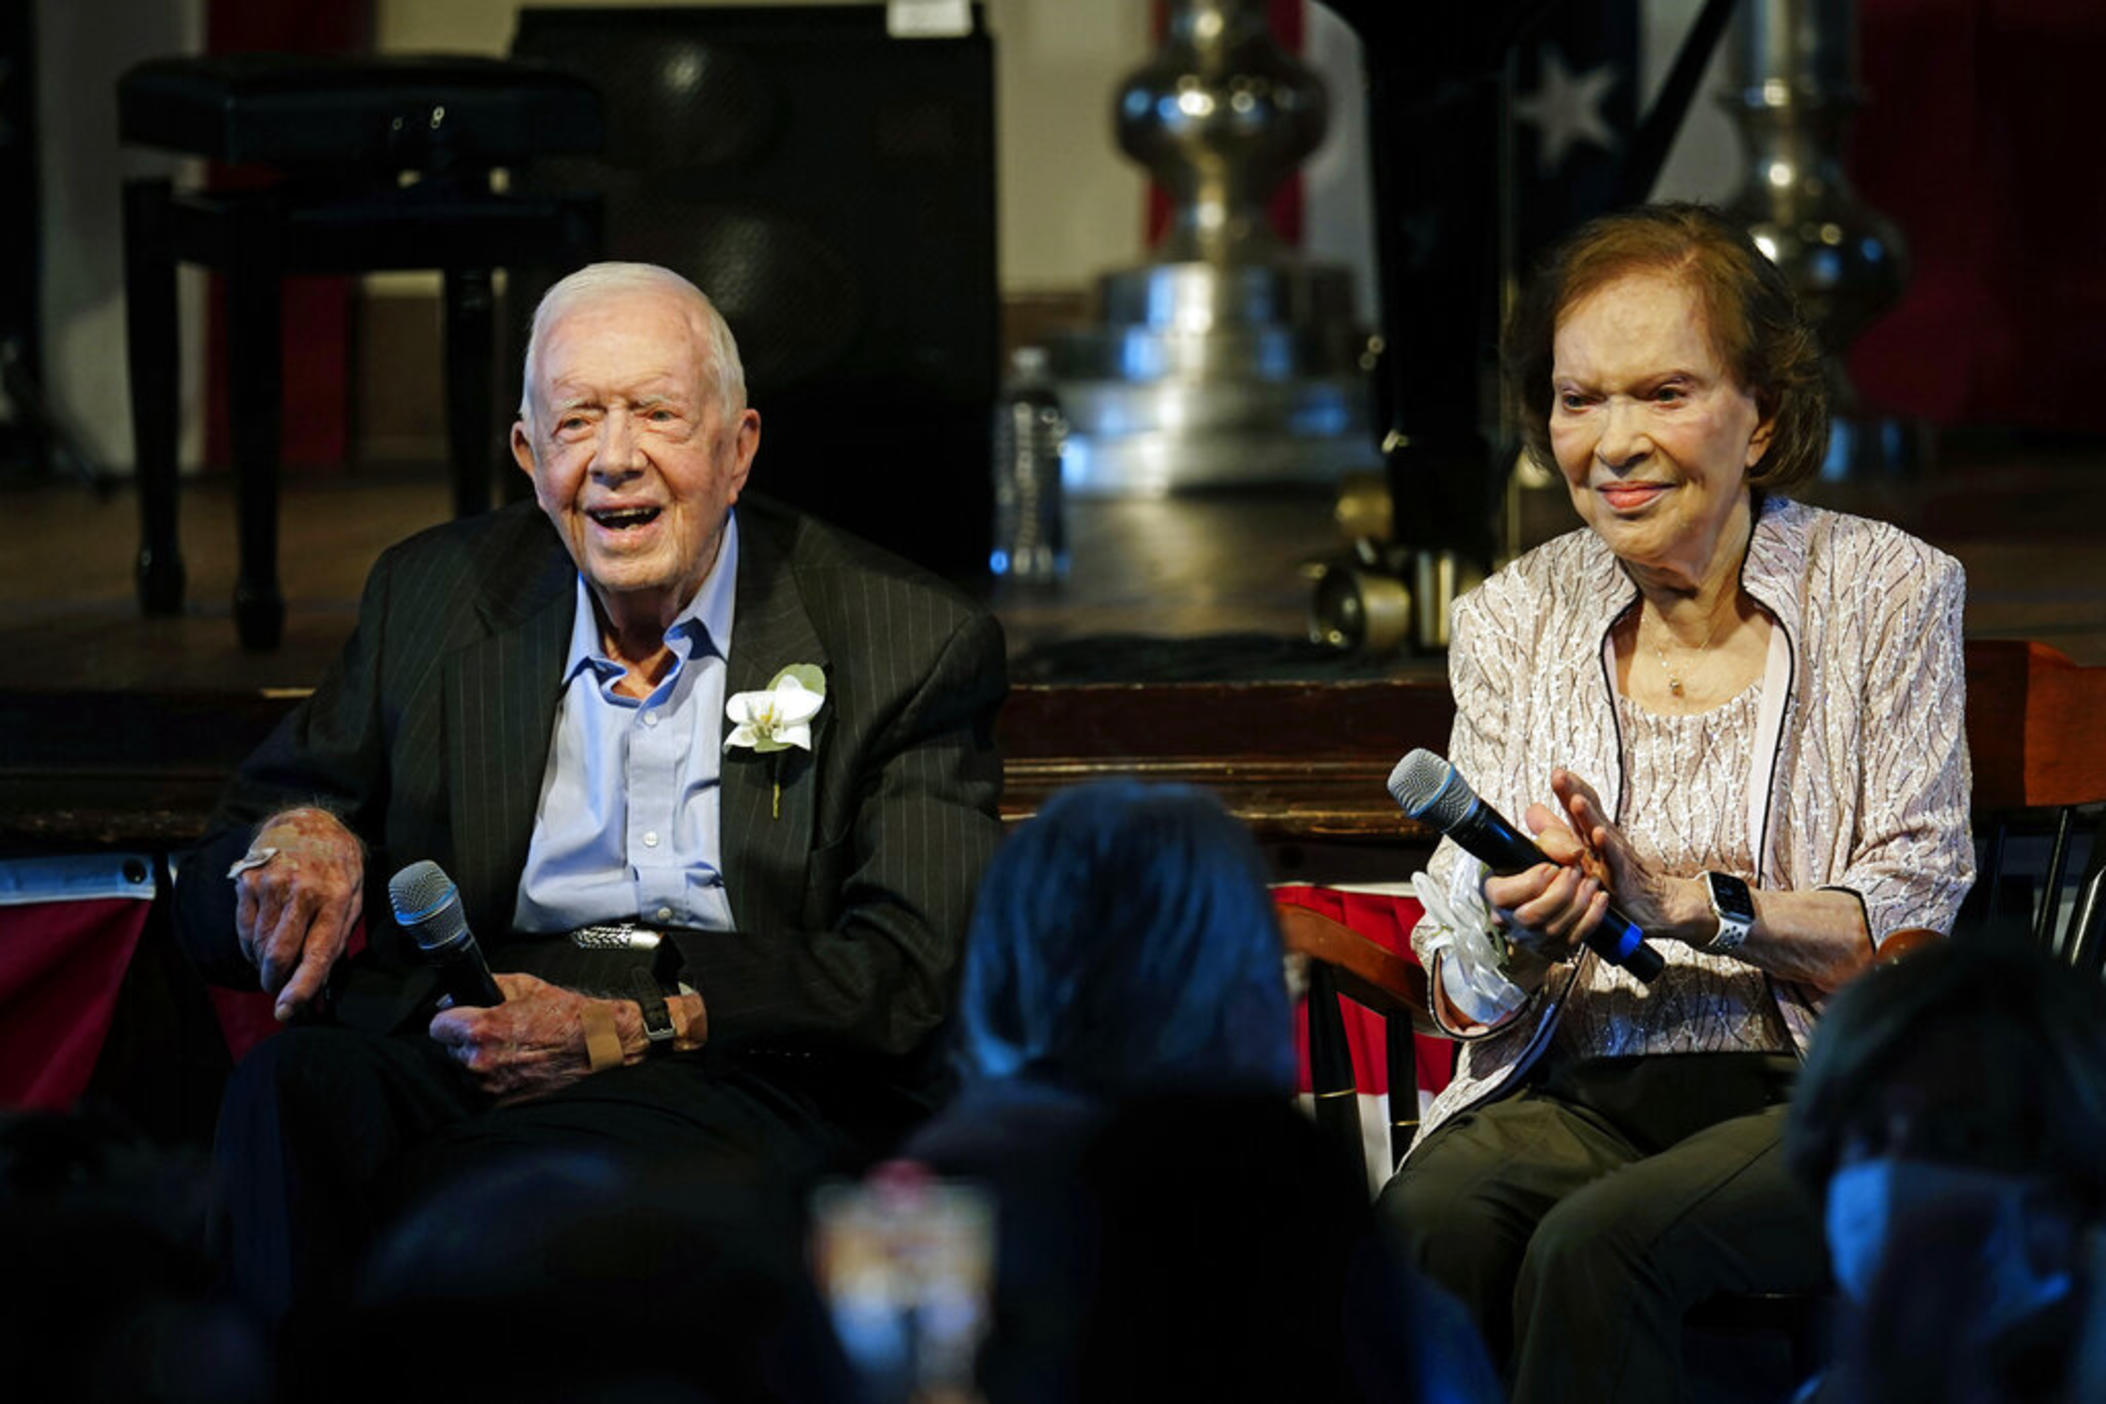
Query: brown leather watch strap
<point>603,1042</point>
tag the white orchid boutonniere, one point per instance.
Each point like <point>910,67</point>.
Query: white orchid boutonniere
<point>779,718</point>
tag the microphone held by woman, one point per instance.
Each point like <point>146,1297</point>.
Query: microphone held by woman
<point>1427,787</point>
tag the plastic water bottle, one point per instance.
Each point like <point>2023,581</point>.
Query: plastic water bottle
<point>1030,528</point>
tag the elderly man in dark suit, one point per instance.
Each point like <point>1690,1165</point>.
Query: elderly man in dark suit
<point>542,702</point>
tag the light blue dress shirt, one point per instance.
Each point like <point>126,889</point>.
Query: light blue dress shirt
<point>628,820</point>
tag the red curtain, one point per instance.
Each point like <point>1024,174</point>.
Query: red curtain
<point>60,967</point>
<point>1980,141</point>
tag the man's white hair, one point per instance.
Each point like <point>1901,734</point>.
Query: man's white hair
<point>602,279</point>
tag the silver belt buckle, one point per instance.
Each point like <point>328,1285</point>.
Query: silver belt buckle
<point>615,936</point>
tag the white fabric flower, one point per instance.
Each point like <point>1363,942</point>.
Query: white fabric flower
<point>776,719</point>
<point>1470,976</point>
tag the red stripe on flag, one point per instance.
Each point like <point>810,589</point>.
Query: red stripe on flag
<point>1387,921</point>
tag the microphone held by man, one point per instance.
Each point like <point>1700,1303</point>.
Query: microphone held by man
<point>428,906</point>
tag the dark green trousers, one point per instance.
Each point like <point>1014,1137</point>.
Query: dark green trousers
<point>1579,1218</point>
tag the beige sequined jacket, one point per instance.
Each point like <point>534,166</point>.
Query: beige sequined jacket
<point>1861,777</point>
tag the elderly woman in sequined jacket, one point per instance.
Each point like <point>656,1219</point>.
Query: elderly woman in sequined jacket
<point>1737,718</point>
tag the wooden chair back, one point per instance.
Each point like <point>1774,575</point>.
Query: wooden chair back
<point>2036,730</point>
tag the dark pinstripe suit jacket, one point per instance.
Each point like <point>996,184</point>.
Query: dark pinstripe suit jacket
<point>431,735</point>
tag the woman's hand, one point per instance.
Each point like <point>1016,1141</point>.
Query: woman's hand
<point>1663,906</point>
<point>1550,909</point>
<point>1815,937</point>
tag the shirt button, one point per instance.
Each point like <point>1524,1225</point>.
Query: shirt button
<point>665,913</point>
<point>650,840</point>
<point>650,718</point>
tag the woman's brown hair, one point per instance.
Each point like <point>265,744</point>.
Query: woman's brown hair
<point>1749,310</point>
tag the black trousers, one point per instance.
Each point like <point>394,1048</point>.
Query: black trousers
<point>1581,1217</point>
<point>325,1134</point>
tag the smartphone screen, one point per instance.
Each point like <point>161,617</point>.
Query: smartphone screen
<point>906,1264</point>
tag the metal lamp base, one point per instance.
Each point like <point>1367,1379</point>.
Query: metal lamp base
<point>1213,376</point>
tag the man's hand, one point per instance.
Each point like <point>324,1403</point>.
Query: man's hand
<point>533,1043</point>
<point>294,912</point>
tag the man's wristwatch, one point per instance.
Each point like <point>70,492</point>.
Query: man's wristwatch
<point>657,1020</point>
<point>1734,906</point>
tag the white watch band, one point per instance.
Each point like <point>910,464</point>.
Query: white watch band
<point>1733,927</point>
<point>1732,930</point>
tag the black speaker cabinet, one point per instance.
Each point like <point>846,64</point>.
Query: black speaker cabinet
<point>832,189</point>
<point>22,439</point>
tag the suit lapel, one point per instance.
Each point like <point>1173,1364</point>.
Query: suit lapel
<point>501,696</point>
<point>765,845</point>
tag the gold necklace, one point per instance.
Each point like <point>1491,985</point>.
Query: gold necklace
<point>1674,679</point>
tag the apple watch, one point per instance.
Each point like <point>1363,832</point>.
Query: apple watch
<point>1734,906</point>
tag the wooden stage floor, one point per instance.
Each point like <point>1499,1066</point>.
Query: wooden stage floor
<point>2029,524</point>
<point>117,730</point>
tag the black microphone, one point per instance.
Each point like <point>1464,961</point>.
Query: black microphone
<point>428,906</point>
<point>1429,788</point>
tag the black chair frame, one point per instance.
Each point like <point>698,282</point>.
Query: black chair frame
<point>256,238</point>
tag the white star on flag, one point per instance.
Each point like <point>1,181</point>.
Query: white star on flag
<point>1566,109</point>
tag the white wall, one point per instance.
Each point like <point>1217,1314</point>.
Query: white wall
<point>1338,199</point>
<point>82,47</point>
<point>1705,161</point>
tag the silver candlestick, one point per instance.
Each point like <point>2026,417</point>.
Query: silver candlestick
<point>1797,89</point>
<point>1226,359</point>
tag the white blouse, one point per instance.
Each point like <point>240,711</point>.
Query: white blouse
<point>1844,766</point>
<point>1685,790</point>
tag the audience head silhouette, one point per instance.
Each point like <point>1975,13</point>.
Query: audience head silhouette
<point>105,1232</point>
<point>1952,1117</point>
<point>1984,1052</point>
<point>679,1282</point>
<point>1124,941</point>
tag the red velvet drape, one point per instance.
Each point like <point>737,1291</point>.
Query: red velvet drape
<point>60,967</point>
<point>1981,141</point>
